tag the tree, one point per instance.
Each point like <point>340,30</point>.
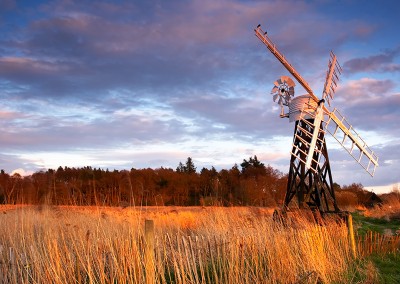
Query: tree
<point>188,168</point>
<point>354,187</point>
<point>208,183</point>
<point>252,162</point>
<point>253,167</point>
<point>180,168</point>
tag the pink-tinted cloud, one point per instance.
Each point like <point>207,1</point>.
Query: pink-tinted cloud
<point>383,62</point>
<point>7,115</point>
<point>370,104</point>
<point>19,65</point>
<point>354,91</point>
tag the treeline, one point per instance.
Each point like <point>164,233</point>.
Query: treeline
<point>251,184</point>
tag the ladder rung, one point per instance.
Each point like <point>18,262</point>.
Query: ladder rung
<point>344,139</point>
<point>352,147</point>
<point>359,159</point>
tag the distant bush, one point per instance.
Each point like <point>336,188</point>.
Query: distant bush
<point>392,198</point>
<point>346,199</point>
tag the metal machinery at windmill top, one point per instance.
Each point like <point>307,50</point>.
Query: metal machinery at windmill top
<point>310,177</point>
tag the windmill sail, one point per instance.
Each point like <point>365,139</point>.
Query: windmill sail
<point>329,89</point>
<point>274,50</point>
<point>345,134</point>
<point>342,131</point>
<point>337,125</point>
<point>316,126</point>
<point>332,76</point>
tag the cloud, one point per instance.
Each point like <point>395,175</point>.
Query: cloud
<point>66,132</point>
<point>167,80</point>
<point>10,162</point>
<point>383,62</point>
<point>369,104</point>
<point>377,114</point>
<point>83,51</point>
<point>386,173</point>
<point>354,91</point>
<point>21,172</point>
<point>7,5</point>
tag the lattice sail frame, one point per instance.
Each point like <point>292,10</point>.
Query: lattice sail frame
<point>351,141</point>
<point>332,76</point>
<point>336,124</point>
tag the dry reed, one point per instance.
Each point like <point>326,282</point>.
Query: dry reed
<point>212,245</point>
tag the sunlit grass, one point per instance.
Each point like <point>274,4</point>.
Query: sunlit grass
<point>191,245</point>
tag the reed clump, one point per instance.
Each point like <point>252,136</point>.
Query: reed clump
<point>191,245</point>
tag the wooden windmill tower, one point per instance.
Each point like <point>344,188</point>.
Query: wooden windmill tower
<point>310,177</point>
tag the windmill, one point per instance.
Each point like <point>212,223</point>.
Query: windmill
<point>310,177</point>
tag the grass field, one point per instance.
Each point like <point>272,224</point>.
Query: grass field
<point>190,245</point>
<point>370,223</point>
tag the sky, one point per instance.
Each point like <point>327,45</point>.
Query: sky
<point>146,84</point>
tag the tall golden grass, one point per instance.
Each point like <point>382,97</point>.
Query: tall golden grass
<point>191,245</point>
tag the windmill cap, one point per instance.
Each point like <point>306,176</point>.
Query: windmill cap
<point>299,103</point>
